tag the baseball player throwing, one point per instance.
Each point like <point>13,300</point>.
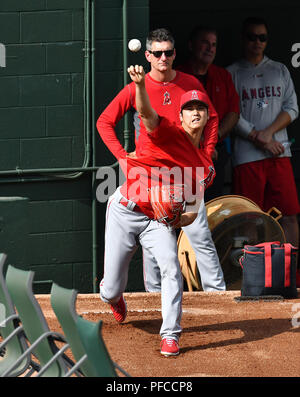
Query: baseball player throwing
<point>133,216</point>
<point>165,86</point>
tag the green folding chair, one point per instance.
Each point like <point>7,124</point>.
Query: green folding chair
<point>52,360</point>
<point>14,342</point>
<point>90,335</point>
<point>63,304</point>
<point>84,337</point>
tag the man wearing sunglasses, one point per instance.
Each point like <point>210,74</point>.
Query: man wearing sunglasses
<point>165,86</point>
<point>268,102</point>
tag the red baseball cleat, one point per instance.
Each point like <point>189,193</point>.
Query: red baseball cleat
<point>119,310</point>
<point>169,347</point>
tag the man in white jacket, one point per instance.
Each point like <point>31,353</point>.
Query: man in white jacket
<point>268,104</point>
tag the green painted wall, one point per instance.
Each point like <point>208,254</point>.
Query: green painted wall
<point>42,126</point>
<point>109,81</point>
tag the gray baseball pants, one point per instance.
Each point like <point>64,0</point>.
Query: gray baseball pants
<point>208,264</point>
<point>124,229</point>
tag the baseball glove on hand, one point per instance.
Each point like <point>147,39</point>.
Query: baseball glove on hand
<point>168,203</point>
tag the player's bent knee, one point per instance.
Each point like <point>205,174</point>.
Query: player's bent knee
<point>109,296</point>
<point>171,273</point>
<point>166,259</point>
<point>169,267</point>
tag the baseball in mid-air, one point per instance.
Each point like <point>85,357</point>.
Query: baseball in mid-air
<point>134,45</point>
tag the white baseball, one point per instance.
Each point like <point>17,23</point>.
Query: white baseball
<point>134,45</point>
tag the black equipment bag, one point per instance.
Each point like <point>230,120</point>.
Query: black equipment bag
<point>269,269</point>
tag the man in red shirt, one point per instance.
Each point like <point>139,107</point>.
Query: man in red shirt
<point>220,89</point>
<point>129,217</point>
<point>165,86</point>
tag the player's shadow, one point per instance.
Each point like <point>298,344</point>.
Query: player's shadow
<point>251,330</point>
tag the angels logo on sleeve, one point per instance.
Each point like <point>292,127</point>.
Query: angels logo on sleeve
<point>167,99</point>
<point>207,181</point>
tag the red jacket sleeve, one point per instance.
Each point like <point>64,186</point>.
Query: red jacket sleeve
<point>233,97</point>
<point>210,133</point>
<point>109,118</point>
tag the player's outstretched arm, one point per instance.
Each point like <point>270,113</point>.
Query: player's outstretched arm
<point>148,115</point>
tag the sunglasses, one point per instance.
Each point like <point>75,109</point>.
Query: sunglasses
<point>253,37</point>
<point>158,54</point>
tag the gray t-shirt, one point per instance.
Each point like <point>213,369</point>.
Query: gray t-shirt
<point>265,90</point>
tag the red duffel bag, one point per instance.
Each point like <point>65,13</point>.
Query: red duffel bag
<point>269,269</point>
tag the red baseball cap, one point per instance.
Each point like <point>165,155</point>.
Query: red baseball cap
<point>192,96</point>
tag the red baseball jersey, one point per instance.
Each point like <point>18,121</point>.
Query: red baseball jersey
<point>165,99</point>
<point>169,149</point>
